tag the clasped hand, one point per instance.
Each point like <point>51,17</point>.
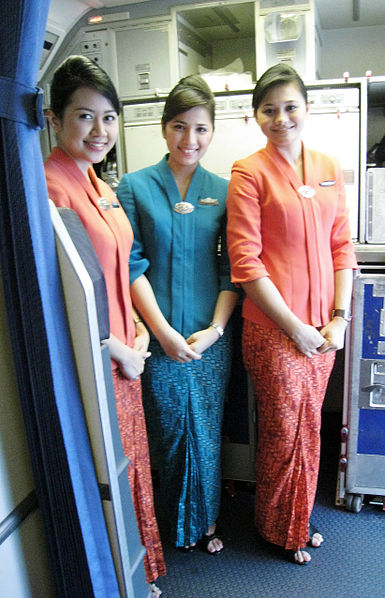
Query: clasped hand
<point>334,335</point>
<point>201,340</point>
<point>131,362</point>
<point>185,350</point>
<point>310,341</point>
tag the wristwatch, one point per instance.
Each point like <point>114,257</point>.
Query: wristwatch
<point>342,313</point>
<point>218,328</point>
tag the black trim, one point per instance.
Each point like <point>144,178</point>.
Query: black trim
<point>17,516</point>
<point>105,493</point>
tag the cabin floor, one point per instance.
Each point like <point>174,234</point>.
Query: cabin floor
<point>351,562</point>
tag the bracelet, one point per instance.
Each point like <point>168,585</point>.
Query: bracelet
<point>137,321</point>
<point>218,328</point>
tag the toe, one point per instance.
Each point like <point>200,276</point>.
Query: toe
<point>215,545</point>
<point>301,556</point>
<point>317,539</point>
<point>155,591</point>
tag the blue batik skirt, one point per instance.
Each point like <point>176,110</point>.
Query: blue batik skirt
<point>183,403</point>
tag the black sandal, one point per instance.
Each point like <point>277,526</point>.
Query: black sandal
<point>205,541</point>
<point>187,549</point>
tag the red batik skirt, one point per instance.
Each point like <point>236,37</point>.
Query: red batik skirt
<point>128,394</point>
<point>290,390</point>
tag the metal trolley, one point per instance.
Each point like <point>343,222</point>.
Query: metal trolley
<point>362,460</point>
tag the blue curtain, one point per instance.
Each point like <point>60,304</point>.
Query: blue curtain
<point>66,485</point>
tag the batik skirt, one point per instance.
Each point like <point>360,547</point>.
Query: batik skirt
<point>183,404</point>
<point>290,390</point>
<point>128,394</point>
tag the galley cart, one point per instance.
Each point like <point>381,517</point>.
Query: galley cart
<point>362,461</point>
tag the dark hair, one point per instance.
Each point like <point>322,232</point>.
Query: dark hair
<point>191,91</point>
<point>80,71</point>
<point>279,74</point>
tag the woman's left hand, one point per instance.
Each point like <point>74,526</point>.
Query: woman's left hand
<point>130,361</point>
<point>334,335</point>
<point>142,338</point>
<point>202,339</point>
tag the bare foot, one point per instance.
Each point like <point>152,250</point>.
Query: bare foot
<point>315,537</point>
<point>155,591</point>
<point>316,540</point>
<point>215,544</point>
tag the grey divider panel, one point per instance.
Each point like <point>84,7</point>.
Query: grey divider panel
<point>95,379</point>
<point>89,258</point>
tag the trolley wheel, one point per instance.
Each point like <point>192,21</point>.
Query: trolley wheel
<point>349,501</point>
<point>357,503</point>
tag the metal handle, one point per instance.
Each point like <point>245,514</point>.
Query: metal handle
<point>376,386</point>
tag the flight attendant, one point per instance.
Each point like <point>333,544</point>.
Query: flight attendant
<point>84,115</point>
<point>180,284</point>
<point>290,248</point>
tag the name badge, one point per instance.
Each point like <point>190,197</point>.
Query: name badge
<point>208,201</point>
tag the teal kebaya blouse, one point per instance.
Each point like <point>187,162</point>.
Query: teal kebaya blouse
<point>183,255</point>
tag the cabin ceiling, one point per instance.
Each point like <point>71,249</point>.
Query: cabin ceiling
<point>333,14</point>
<point>341,14</point>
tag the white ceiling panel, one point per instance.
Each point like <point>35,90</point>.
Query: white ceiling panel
<point>341,14</point>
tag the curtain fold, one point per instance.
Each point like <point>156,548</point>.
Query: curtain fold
<point>66,484</point>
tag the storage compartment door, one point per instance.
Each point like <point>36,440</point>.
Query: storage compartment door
<point>143,60</point>
<point>144,146</point>
<point>234,138</point>
<point>338,134</point>
<point>375,207</point>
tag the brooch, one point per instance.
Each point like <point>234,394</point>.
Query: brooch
<point>306,191</point>
<point>183,207</point>
<point>103,203</point>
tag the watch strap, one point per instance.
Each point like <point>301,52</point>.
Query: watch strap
<point>218,328</point>
<point>342,313</point>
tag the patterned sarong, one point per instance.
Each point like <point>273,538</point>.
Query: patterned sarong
<point>183,403</point>
<point>128,394</point>
<point>290,390</point>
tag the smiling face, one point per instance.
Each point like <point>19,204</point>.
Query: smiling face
<point>188,136</point>
<point>281,115</point>
<point>88,128</point>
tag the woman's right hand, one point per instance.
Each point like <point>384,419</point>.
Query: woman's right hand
<point>176,346</point>
<point>131,362</point>
<point>267,297</point>
<point>307,339</point>
<point>173,343</point>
